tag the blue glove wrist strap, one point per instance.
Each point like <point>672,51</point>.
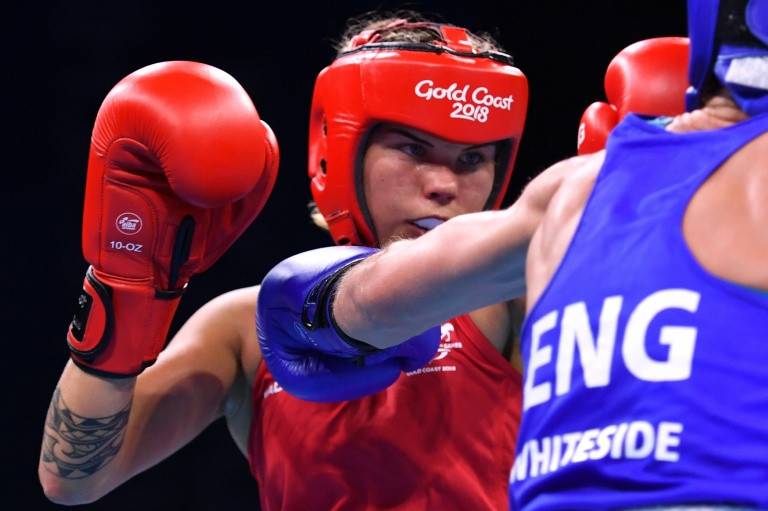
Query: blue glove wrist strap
<point>317,311</point>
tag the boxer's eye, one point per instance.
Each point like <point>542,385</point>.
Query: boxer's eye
<point>414,150</point>
<point>471,158</point>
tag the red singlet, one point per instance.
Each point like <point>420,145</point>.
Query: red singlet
<point>442,437</point>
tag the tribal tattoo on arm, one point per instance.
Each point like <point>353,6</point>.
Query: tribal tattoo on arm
<point>75,447</point>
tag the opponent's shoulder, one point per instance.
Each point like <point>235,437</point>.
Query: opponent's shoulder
<point>576,169</point>
<point>576,177</point>
<point>558,180</point>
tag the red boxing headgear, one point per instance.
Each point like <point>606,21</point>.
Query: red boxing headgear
<point>445,88</point>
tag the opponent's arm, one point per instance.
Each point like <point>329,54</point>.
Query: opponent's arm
<point>479,259</point>
<point>390,298</point>
<point>466,263</point>
<point>343,322</point>
<point>180,165</point>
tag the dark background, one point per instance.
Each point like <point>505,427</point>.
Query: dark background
<point>63,57</point>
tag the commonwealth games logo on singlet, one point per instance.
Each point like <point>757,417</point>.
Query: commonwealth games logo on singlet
<point>448,342</point>
<point>273,388</point>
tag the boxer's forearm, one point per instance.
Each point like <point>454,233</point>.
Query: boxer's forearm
<point>467,263</point>
<point>100,432</point>
<point>84,432</point>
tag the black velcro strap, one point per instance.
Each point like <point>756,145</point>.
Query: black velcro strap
<point>181,247</point>
<point>104,374</point>
<point>85,305</point>
<point>320,300</point>
<point>313,312</point>
<point>169,294</point>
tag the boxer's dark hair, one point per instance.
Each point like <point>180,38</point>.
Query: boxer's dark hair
<point>376,20</point>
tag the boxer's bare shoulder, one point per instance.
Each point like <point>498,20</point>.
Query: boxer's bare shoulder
<point>575,178</point>
<point>238,309</point>
<point>733,202</point>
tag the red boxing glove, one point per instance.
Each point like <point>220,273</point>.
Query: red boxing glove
<point>180,164</point>
<point>648,77</point>
<point>597,122</point>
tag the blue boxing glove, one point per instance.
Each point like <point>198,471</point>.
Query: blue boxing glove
<point>304,349</point>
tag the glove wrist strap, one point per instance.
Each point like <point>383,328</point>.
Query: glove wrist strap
<point>317,314</point>
<point>119,327</point>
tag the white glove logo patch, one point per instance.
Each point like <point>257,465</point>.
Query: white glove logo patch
<point>128,223</point>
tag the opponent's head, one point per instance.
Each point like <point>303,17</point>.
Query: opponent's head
<point>438,79</point>
<point>729,48</point>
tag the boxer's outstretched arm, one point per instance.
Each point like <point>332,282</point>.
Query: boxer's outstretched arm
<point>100,432</point>
<point>466,263</point>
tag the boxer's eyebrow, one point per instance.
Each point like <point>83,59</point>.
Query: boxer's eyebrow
<point>413,137</point>
<point>479,146</point>
<point>410,135</point>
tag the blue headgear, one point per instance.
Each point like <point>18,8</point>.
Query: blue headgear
<point>729,40</point>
